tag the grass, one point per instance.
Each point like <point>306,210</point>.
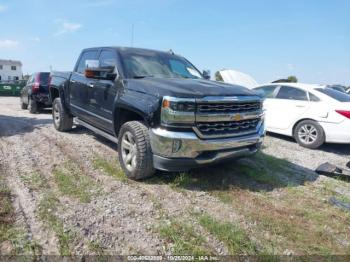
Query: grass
<point>34,181</point>
<point>263,172</point>
<point>71,181</point>
<point>184,240</point>
<point>96,248</point>
<point>234,237</point>
<point>15,238</point>
<point>282,206</point>
<point>261,176</point>
<point>301,222</point>
<point>47,210</point>
<point>110,168</point>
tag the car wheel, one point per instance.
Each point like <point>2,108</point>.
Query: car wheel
<point>134,150</point>
<point>23,105</point>
<point>32,106</point>
<point>62,120</point>
<point>309,134</point>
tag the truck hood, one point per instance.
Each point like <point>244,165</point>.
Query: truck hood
<point>194,88</point>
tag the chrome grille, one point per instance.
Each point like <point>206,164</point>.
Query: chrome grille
<point>228,117</point>
<point>236,107</point>
<point>227,128</point>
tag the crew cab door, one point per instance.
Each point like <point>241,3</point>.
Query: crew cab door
<point>286,108</point>
<point>103,92</point>
<point>80,87</point>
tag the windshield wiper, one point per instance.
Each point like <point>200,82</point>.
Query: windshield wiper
<point>142,76</point>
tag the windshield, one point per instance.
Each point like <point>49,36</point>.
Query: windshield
<point>337,95</point>
<point>157,64</point>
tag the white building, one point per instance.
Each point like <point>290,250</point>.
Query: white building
<point>10,70</point>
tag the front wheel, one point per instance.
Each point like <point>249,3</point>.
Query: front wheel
<point>134,150</point>
<point>62,120</point>
<point>310,134</point>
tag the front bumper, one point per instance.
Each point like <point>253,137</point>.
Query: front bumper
<point>181,151</point>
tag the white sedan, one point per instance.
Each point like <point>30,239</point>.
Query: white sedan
<point>312,114</point>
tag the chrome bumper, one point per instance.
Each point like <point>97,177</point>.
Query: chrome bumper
<point>180,150</point>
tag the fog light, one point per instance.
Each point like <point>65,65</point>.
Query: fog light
<point>176,145</point>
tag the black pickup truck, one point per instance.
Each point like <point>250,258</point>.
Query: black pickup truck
<point>160,110</point>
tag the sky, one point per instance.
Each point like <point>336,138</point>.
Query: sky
<point>267,39</point>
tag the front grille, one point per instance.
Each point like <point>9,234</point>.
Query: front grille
<point>228,128</point>
<point>222,118</point>
<point>237,107</point>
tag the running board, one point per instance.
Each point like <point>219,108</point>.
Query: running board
<point>96,130</point>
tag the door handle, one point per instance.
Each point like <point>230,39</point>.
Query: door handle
<point>91,85</point>
<point>72,81</point>
<point>300,106</point>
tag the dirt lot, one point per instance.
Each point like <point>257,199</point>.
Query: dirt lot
<point>64,193</point>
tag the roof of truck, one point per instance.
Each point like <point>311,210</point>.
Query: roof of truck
<point>131,49</point>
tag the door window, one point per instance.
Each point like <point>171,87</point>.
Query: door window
<point>108,59</point>
<point>313,98</point>
<point>265,91</point>
<point>87,55</point>
<point>291,93</point>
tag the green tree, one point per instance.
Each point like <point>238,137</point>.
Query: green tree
<point>292,79</point>
<point>218,77</point>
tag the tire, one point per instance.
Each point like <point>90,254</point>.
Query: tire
<point>62,120</point>
<point>134,136</point>
<point>23,105</point>
<point>309,134</point>
<point>33,106</point>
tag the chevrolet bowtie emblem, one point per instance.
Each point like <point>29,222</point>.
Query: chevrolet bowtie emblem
<point>237,117</point>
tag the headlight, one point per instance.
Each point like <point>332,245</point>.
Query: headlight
<point>178,111</point>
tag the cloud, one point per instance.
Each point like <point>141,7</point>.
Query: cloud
<point>3,8</point>
<point>66,27</point>
<point>7,43</point>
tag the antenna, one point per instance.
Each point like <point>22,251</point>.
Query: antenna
<point>132,35</point>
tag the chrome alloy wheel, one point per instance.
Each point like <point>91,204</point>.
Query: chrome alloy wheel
<point>129,151</point>
<point>307,134</point>
<point>56,114</point>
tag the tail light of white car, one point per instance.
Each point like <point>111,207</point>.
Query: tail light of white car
<point>344,113</point>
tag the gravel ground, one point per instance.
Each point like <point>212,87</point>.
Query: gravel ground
<point>287,148</point>
<point>122,218</point>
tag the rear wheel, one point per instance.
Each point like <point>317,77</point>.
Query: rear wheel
<point>309,133</point>
<point>134,150</point>
<point>62,120</point>
<point>23,105</point>
<point>33,106</point>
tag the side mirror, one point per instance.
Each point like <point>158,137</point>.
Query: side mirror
<point>206,74</point>
<point>92,64</point>
<point>105,73</point>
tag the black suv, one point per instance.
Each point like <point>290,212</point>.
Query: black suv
<point>35,95</point>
